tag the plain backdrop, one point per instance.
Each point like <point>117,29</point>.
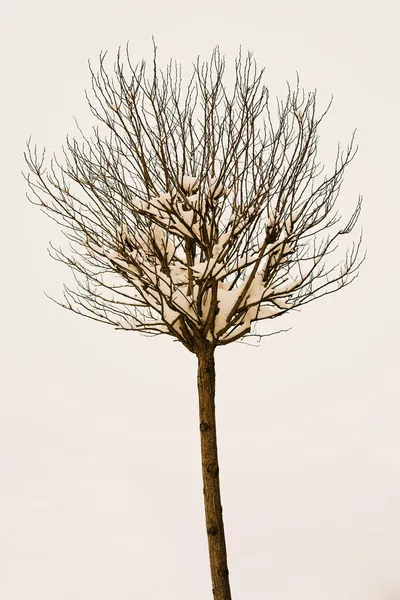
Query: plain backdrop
<point>100,479</point>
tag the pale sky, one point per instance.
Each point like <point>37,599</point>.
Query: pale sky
<point>100,477</point>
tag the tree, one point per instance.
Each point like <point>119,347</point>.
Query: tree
<point>194,213</point>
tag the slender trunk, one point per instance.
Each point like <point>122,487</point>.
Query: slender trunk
<point>210,468</point>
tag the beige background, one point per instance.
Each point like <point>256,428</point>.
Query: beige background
<point>98,429</point>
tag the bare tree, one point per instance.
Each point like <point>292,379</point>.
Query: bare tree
<point>195,213</point>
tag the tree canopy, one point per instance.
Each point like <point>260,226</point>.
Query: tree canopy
<point>194,211</point>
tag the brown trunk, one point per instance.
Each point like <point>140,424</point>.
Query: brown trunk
<point>210,468</point>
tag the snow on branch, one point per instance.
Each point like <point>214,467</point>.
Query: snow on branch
<point>193,212</point>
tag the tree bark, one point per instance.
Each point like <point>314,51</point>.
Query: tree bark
<point>210,468</point>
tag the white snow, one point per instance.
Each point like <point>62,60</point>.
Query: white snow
<point>183,303</point>
<point>166,294</point>
<point>94,249</point>
<point>163,199</point>
<point>182,228</point>
<point>216,189</point>
<point>126,266</point>
<point>254,298</point>
<point>159,236</point>
<point>179,274</point>
<point>187,216</point>
<point>205,268</point>
<point>289,225</point>
<point>266,311</point>
<point>224,238</point>
<point>194,200</point>
<point>206,304</point>
<point>226,301</point>
<point>217,250</point>
<point>170,315</point>
<point>189,183</point>
<point>282,302</point>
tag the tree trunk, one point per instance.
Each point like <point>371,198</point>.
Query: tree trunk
<point>210,468</point>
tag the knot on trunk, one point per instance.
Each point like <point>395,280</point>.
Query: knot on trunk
<point>212,530</point>
<point>204,426</point>
<point>212,468</point>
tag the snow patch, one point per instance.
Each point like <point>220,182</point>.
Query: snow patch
<point>189,183</point>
